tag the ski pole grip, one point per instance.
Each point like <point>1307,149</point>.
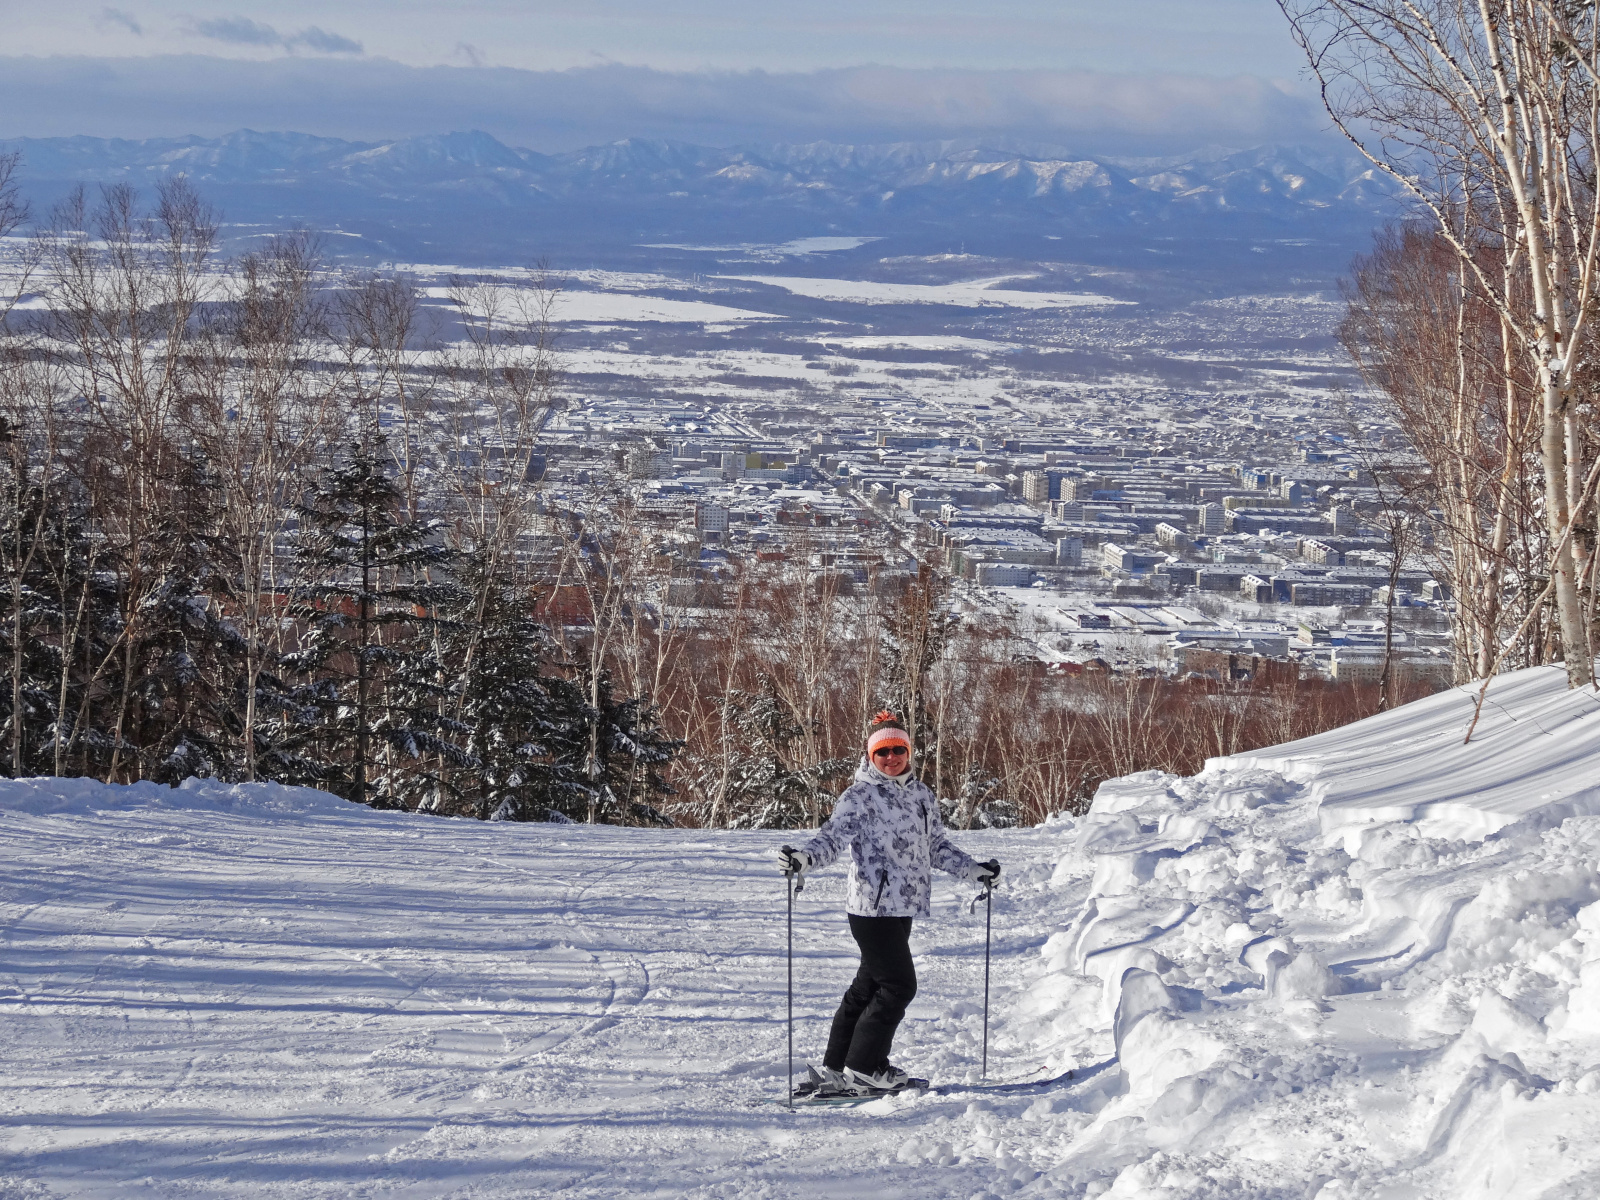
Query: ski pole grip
<point>790,871</point>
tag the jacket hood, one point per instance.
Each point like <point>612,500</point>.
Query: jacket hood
<point>867,773</point>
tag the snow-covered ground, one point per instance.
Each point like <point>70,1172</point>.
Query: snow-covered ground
<point>767,250</point>
<point>263,991</point>
<point>967,294</point>
<point>630,308</point>
<point>1367,965</point>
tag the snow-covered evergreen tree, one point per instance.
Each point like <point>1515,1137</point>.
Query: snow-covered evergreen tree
<point>179,721</point>
<point>522,723</point>
<point>762,786</point>
<point>624,779</point>
<point>373,584</point>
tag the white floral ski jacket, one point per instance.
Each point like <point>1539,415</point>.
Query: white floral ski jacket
<point>895,837</point>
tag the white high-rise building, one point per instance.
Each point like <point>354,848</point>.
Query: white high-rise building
<point>711,518</point>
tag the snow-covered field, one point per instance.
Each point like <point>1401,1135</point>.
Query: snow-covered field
<point>767,250</point>
<point>967,294</point>
<point>1363,966</point>
<point>917,341</point>
<point>628,307</point>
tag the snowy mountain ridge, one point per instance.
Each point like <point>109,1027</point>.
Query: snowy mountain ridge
<point>1269,179</point>
<point>660,185</point>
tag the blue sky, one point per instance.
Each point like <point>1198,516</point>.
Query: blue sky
<point>1142,73</point>
<point>1206,37</point>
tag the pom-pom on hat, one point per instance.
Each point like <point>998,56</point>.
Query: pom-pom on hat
<point>886,730</point>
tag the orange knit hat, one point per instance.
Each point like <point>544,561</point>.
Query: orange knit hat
<point>886,730</point>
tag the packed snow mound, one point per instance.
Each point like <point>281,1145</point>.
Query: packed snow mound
<point>47,795</point>
<point>1533,754</point>
<point>1367,963</point>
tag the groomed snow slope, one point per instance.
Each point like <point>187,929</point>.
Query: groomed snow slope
<point>259,991</point>
<point>1290,976</point>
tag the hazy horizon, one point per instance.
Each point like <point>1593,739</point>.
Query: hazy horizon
<point>1150,77</point>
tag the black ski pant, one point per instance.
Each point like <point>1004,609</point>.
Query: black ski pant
<point>877,998</point>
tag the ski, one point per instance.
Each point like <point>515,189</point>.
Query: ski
<point>1076,1075</point>
<point>806,1095</point>
<point>808,1098</point>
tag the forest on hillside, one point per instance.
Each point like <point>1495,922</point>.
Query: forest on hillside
<point>255,524</point>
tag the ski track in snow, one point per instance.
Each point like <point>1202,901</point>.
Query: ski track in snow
<point>1328,970</point>
<point>341,1002</point>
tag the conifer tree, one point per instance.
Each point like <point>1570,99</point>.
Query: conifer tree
<point>523,724</point>
<point>624,776</point>
<point>766,788</point>
<point>178,722</point>
<point>373,581</point>
<point>183,720</point>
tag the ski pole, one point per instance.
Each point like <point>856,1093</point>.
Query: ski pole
<point>988,917</point>
<point>789,890</point>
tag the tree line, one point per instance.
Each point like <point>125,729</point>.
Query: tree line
<point>769,677</point>
<point>259,522</point>
<point>253,526</point>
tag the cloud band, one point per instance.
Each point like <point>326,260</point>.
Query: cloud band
<point>560,110</point>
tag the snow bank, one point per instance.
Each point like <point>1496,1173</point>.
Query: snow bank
<point>1366,963</point>
<point>46,796</point>
<point>1533,755</point>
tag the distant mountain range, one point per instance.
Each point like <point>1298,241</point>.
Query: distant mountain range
<point>469,195</point>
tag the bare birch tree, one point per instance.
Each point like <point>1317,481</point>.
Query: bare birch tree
<point>502,375</point>
<point>262,413</point>
<point>1458,387</point>
<point>1487,112</point>
<point>602,565</point>
<point>31,483</point>
<point>19,260</point>
<point>126,287</point>
<point>803,647</point>
<point>377,318</point>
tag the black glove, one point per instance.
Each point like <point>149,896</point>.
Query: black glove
<point>795,862</point>
<point>986,873</point>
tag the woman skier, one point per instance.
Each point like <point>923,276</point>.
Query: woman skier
<point>890,821</point>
